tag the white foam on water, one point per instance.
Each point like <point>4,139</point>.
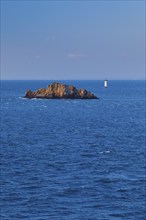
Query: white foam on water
<point>38,99</point>
<point>22,97</point>
<point>105,152</point>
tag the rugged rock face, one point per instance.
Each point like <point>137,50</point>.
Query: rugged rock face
<point>59,91</point>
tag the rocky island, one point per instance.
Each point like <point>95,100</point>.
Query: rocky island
<point>60,91</point>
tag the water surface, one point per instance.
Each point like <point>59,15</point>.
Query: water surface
<point>73,159</point>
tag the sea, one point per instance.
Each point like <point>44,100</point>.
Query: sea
<point>64,159</point>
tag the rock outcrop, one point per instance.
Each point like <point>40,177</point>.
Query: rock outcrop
<point>60,91</point>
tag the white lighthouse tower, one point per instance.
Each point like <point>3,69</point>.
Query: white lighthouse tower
<point>105,83</point>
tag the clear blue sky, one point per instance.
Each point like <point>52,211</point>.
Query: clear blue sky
<point>73,39</point>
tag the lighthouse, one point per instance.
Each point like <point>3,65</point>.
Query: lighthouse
<point>105,83</point>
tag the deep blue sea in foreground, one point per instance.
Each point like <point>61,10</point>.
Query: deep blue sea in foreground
<point>73,159</point>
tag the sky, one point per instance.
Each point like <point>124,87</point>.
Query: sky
<point>72,40</point>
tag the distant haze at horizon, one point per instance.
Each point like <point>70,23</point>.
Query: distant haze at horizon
<point>72,40</point>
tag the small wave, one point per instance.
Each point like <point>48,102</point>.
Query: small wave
<point>38,99</point>
<point>88,155</point>
<point>71,191</point>
<point>105,152</point>
<point>22,97</point>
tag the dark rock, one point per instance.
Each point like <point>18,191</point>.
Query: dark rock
<point>59,91</point>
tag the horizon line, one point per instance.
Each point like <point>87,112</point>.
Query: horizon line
<point>64,79</point>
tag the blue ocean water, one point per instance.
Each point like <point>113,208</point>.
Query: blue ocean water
<point>73,159</point>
